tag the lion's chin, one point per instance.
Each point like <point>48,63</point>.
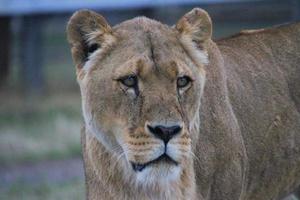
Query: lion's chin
<point>159,173</point>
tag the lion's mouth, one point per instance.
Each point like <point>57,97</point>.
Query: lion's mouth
<point>163,158</point>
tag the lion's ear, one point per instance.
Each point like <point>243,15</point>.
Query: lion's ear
<point>195,24</point>
<point>195,30</point>
<point>87,32</point>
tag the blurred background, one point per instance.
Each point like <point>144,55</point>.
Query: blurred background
<point>40,114</point>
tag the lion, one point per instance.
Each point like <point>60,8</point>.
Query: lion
<point>171,114</point>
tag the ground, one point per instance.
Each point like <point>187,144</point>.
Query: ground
<point>56,179</point>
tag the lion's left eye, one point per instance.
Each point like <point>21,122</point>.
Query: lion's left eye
<point>129,81</point>
<point>183,81</point>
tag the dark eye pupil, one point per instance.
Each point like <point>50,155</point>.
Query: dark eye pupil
<point>183,81</point>
<point>130,81</point>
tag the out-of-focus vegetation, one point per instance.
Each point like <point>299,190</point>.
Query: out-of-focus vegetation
<point>71,190</point>
<point>35,129</point>
<point>39,128</point>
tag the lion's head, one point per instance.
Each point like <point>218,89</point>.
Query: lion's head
<point>141,83</point>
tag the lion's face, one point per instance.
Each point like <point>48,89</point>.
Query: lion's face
<point>141,90</point>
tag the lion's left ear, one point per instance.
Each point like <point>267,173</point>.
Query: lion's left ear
<point>195,30</point>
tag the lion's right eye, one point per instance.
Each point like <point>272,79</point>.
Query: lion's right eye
<point>183,81</point>
<point>129,81</point>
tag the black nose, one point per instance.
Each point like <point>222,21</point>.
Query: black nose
<point>164,132</point>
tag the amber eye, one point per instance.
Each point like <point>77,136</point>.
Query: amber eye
<point>129,81</point>
<point>183,81</point>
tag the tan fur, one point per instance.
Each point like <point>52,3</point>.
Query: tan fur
<point>241,143</point>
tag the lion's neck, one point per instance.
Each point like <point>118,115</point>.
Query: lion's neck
<point>107,179</point>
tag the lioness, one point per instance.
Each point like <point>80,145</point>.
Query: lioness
<point>146,136</point>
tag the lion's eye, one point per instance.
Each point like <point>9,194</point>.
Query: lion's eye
<point>129,81</point>
<point>183,81</point>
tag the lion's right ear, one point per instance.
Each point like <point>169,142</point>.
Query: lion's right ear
<point>87,32</point>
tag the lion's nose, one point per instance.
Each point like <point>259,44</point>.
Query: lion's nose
<point>164,133</point>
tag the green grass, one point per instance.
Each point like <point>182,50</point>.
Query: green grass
<point>34,129</point>
<point>72,190</point>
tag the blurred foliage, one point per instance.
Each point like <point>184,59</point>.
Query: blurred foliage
<point>72,190</point>
<point>44,128</point>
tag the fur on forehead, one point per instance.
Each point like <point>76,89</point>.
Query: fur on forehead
<point>163,43</point>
